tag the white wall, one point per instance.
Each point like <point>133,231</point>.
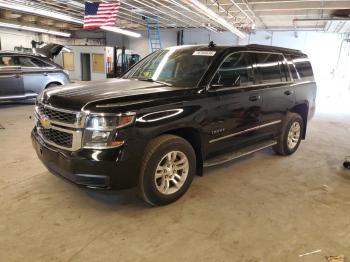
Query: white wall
<point>322,48</point>
<point>140,45</point>
<point>11,38</point>
<point>194,37</point>
<point>78,50</point>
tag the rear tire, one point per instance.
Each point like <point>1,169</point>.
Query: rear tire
<point>167,170</point>
<point>290,137</point>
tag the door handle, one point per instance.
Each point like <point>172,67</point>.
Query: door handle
<point>288,92</point>
<point>254,98</point>
<point>45,74</point>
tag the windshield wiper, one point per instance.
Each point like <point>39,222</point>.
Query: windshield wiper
<point>154,81</point>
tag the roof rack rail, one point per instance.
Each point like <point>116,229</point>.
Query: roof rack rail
<point>277,48</point>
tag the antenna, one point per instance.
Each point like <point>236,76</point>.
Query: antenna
<point>211,44</point>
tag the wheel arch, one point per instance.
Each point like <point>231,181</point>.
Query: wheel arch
<point>191,135</point>
<point>53,82</point>
<point>303,111</point>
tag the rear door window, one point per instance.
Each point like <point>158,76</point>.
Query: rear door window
<point>235,71</point>
<point>270,68</point>
<point>26,61</point>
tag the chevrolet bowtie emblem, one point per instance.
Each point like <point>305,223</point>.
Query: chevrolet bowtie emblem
<point>45,122</point>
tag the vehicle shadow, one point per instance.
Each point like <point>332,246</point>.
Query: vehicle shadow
<point>117,198</point>
<point>11,104</point>
<point>108,198</point>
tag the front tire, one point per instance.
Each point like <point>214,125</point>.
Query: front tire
<point>167,170</point>
<point>290,137</point>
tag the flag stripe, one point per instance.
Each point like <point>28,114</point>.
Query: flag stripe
<point>100,14</point>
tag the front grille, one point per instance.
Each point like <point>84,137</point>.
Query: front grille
<point>58,137</point>
<point>63,128</point>
<point>57,115</point>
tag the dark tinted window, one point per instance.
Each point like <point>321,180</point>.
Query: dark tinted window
<point>271,68</point>
<point>25,61</point>
<point>236,70</point>
<point>303,66</point>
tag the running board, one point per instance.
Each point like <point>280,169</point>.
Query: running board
<point>221,159</point>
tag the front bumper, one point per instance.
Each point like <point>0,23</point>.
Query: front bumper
<point>98,169</point>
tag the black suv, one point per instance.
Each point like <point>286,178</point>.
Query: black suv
<point>176,111</point>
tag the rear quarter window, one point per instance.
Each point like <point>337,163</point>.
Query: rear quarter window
<point>303,67</point>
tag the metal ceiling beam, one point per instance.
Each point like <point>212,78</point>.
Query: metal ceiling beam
<point>39,12</point>
<point>242,11</point>
<point>161,11</point>
<point>145,11</point>
<point>205,19</point>
<point>181,14</point>
<point>200,7</point>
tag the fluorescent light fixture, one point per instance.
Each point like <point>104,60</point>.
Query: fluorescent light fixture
<point>210,27</point>
<point>41,12</point>
<point>215,17</point>
<point>120,31</point>
<point>34,29</point>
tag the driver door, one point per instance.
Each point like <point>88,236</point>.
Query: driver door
<point>11,81</point>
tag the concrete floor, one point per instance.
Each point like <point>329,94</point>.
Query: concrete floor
<point>260,208</point>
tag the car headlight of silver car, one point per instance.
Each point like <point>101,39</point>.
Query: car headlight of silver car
<point>101,131</point>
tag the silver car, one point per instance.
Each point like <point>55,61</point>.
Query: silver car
<point>24,76</point>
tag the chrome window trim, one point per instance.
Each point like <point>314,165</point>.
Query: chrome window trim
<point>208,88</point>
<point>268,86</point>
<point>245,131</point>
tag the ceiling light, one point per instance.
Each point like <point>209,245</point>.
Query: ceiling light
<point>215,17</point>
<point>120,31</point>
<point>210,27</point>
<point>34,29</point>
<point>41,12</point>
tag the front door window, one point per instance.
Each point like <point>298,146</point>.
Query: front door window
<point>236,71</point>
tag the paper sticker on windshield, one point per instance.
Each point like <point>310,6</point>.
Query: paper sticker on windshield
<point>204,53</point>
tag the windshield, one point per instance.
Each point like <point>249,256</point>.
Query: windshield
<point>180,67</point>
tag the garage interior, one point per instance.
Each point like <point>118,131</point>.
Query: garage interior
<point>262,207</point>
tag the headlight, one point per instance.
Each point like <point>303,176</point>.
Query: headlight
<point>39,97</point>
<point>102,130</point>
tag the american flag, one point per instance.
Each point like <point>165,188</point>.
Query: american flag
<point>100,14</point>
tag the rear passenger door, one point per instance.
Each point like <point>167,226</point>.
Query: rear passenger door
<point>35,73</point>
<point>273,76</point>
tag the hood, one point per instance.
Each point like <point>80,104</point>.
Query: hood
<point>106,95</point>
